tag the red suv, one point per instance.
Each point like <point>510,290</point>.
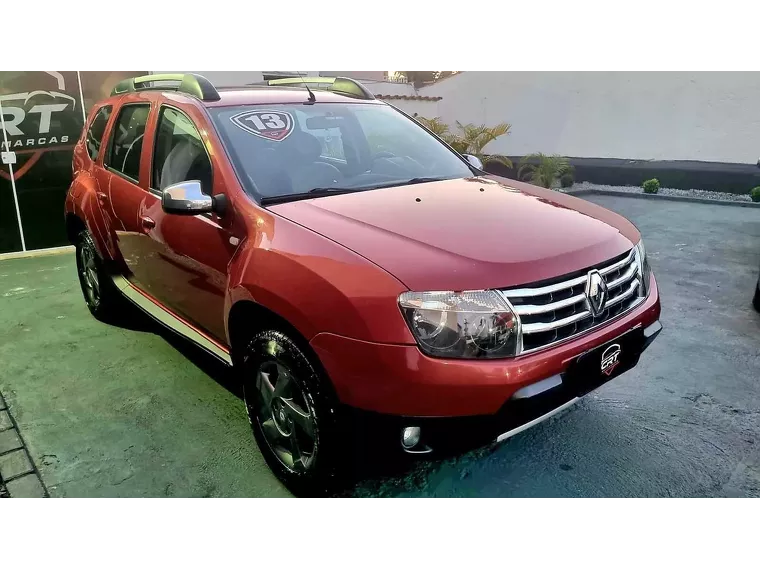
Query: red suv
<point>353,268</point>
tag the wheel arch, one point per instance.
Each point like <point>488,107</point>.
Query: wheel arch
<point>247,318</point>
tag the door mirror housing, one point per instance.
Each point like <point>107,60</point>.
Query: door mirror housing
<point>186,198</point>
<point>474,161</point>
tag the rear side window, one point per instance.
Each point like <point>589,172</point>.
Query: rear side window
<point>96,130</point>
<point>127,140</point>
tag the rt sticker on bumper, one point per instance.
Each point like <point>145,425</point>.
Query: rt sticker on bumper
<point>272,125</point>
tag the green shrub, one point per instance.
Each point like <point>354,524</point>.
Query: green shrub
<point>651,186</point>
<point>543,170</point>
<point>754,193</point>
<point>567,180</point>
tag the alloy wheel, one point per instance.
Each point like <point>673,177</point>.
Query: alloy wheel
<point>286,421</point>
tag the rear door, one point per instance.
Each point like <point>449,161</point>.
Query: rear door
<point>126,194</point>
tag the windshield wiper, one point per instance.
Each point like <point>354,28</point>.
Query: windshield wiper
<point>313,193</point>
<point>333,191</point>
<point>423,180</point>
<point>329,190</point>
<point>409,182</point>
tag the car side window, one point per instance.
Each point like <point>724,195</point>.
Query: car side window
<point>179,154</point>
<point>96,130</point>
<point>127,140</point>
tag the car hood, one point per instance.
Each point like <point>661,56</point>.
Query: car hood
<point>470,233</point>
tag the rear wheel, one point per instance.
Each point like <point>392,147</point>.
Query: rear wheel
<point>756,300</point>
<point>100,294</point>
<point>291,412</point>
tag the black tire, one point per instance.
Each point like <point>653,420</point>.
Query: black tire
<point>100,294</point>
<point>307,393</point>
<point>756,299</point>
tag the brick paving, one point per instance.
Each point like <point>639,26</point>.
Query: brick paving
<point>19,477</point>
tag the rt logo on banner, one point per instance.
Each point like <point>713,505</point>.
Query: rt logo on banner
<point>38,120</point>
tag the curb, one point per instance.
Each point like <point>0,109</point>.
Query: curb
<point>37,253</point>
<point>643,196</point>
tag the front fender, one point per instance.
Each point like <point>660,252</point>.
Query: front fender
<point>318,286</point>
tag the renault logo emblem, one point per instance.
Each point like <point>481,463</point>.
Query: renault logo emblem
<point>596,293</point>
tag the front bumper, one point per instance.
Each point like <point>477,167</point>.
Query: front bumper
<point>399,380</point>
<point>523,410</point>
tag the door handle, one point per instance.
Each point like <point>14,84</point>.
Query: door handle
<point>102,197</point>
<point>147,223</point>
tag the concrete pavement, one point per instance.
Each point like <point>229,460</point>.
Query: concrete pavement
<point>114,411</point>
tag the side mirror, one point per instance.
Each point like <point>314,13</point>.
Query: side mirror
<point>474,161</point>
<point>186,198</point>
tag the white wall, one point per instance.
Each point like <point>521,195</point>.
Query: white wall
<point>427,109</point>
<point>218,73</point>
<point>710,116</point>
<point>232,74</point>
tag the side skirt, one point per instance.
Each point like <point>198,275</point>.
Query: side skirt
<point>163,316</point>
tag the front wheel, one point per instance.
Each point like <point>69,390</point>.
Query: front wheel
<point>291,413</point>
<point>756,299</point>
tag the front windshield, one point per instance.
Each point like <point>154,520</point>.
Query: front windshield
<point>282,150</point>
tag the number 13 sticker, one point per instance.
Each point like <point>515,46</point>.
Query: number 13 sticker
<point>272,125</point>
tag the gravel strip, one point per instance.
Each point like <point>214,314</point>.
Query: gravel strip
<point>665,192</point>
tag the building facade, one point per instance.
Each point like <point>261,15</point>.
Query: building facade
<point>42,117</point>
<point>43,113</point>
<point>702,117</point>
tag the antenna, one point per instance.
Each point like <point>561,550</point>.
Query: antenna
<point>312,98</point>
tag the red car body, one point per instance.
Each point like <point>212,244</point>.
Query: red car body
<point>334,266</point>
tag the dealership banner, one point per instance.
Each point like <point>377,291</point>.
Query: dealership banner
<point>42,117</point>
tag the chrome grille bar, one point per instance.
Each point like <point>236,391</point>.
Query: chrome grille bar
<point>525,309</point>
<point>545,326</point>
<point>553,313</point>
<point>524,292</point>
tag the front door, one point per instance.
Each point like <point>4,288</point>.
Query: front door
<point>187,256</point>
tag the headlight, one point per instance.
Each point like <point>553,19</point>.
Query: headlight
<point>469,324</point>
<point>644,269</point>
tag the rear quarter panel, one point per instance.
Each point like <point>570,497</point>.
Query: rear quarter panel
<point>82,201</point>
<point>82,198</point>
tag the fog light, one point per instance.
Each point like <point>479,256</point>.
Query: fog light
<point>410,436</point>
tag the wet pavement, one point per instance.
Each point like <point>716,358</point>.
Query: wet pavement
<point>685,421</point>
<point>116,410</point>
<point>108,411</point>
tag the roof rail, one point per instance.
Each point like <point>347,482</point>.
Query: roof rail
<point>342,85</point>
<point>188,83</point>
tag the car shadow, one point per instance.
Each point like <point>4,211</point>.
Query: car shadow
<point>362,474</point>
<point>136,320</point>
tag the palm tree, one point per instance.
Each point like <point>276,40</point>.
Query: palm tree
<point>543,170</point>
<point>436,125</point>
<point>472,138</point>
<point>475,137</point>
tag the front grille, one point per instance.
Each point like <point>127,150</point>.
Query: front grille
<point>551,312</point>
